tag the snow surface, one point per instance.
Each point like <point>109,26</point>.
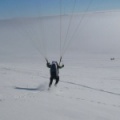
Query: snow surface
<point>89,87</point>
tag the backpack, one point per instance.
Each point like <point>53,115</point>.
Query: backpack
<point>53,70</point>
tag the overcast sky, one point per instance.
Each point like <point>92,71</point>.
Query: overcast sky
<point>34,8</point>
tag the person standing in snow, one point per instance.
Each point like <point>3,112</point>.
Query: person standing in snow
<point>54,72</point>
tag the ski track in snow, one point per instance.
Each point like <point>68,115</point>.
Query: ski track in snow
<point>53,91</point>
<point>96,89</point>
<point>43,76</point>
<point>43,88</point>
<point>19,71</point>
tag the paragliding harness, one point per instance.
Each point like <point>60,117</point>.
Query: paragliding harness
<point>54,70</point>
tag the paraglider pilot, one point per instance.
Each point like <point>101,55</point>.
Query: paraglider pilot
<point>54,72</point>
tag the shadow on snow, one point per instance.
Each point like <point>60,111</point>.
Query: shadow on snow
<point>41,87</point>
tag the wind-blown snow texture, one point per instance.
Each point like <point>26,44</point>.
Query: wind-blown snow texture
<point>89,83</point>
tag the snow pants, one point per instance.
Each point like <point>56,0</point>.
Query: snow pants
<point>51,80</point>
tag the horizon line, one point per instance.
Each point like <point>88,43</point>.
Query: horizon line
<point>64,14</point>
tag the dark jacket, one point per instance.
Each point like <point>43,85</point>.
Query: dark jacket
<point>58,67</point>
